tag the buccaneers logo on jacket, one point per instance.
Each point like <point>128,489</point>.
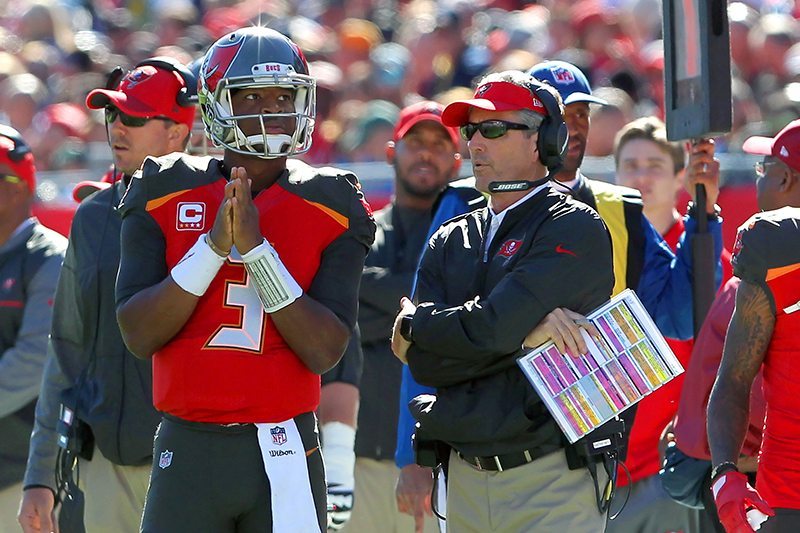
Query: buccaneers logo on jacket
<point>509,248</point>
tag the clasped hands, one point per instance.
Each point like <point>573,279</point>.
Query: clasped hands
<point>237,220</point>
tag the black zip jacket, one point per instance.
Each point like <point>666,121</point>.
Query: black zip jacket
<point>551,251</point>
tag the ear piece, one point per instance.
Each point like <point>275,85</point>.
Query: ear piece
<point>553,133</point>
<point>187,96</point>
<point>457,164</point>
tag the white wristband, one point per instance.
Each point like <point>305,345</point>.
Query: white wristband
<point>275,286</point>
<point>198,268</point>
<point>338,450</point>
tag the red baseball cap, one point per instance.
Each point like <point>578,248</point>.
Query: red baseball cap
<point>785,145</point>
<point>493,96</point>
<point>146,91</point>
<point>16,155</point>
<point>412,115</point>
<point>87,187</point>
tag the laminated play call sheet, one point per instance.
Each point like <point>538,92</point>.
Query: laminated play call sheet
<point>630,360</point>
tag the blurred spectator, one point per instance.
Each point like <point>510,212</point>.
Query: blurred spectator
<point>741,19</point>
<point>607,120</point>
<point>365,139</point>
<point>48,22</point>
<point>357,38</point>
<point>30,261</point>
<point>173,18</point>
<point>389,64</point>
<point>61,129</point>
<point>21,96</point>
<point>769,40</point>
<point>9,66</point>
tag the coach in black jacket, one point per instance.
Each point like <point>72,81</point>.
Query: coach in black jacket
<point>487,279</point>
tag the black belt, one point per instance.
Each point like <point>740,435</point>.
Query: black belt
<point>498,463</point>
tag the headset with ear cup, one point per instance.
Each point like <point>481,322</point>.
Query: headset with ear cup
<point>553,133</point>
<point>187,97</point>
<point>21,148</point>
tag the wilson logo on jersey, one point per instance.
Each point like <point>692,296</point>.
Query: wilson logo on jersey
<point>278,435</point>
<point>191,216</point>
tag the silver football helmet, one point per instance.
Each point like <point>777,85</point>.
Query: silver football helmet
<point>256,57</point>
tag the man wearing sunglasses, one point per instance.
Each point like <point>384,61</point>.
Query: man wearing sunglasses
<point>92,372</point>
<point>487,279</point>
<point>30,260</point>
<point>763,336</point>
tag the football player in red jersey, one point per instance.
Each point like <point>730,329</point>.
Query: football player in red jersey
<point>240,278</point>
<point>763,336</point>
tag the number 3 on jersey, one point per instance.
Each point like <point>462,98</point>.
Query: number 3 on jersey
<point>249,334</point>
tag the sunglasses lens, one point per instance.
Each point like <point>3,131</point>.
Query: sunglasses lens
<point>467,131</point>
<point>490,129</point>
<point>132,122</point>
<point>493,129</point>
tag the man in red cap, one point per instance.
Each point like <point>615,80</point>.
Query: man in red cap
<point>30,260</point>
<point>763,334</point>
<point>486,280</point>
<point>147,112</point>
<point>424,155</point>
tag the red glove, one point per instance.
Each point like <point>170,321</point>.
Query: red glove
<point>734,497</point>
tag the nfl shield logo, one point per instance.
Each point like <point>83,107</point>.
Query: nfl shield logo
<point>562,75</point>
<point>278,435</point>
<point>165,459</point>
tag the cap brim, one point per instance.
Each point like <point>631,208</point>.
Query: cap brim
<point>583,97</point>
<point>430,117</point>
<point>99,98</point>
<point>758,145</point>
<point>457,113</point>
<point>85,188</point>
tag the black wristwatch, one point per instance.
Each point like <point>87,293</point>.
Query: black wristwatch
<point>405,327</point>
<point>722,468</point>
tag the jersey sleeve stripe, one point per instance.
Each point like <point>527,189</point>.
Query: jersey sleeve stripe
<point>338,217</point>
<point>158,202</point>
<point>774,273</point>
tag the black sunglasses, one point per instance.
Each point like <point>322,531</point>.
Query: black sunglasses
<point>132,122</point>
<point>490,129</point>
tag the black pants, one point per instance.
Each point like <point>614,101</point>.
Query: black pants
<point>211,478</point>
<point>784,521</point>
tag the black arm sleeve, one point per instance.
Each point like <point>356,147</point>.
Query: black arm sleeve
<point>142,245</point>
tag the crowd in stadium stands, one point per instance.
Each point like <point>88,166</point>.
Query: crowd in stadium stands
<point>373,57</point>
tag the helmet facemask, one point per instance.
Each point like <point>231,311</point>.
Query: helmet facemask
<point>222,124</point>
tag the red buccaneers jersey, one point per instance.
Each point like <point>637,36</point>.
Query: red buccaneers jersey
<point>767,252</point>
<point>229,363</point>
